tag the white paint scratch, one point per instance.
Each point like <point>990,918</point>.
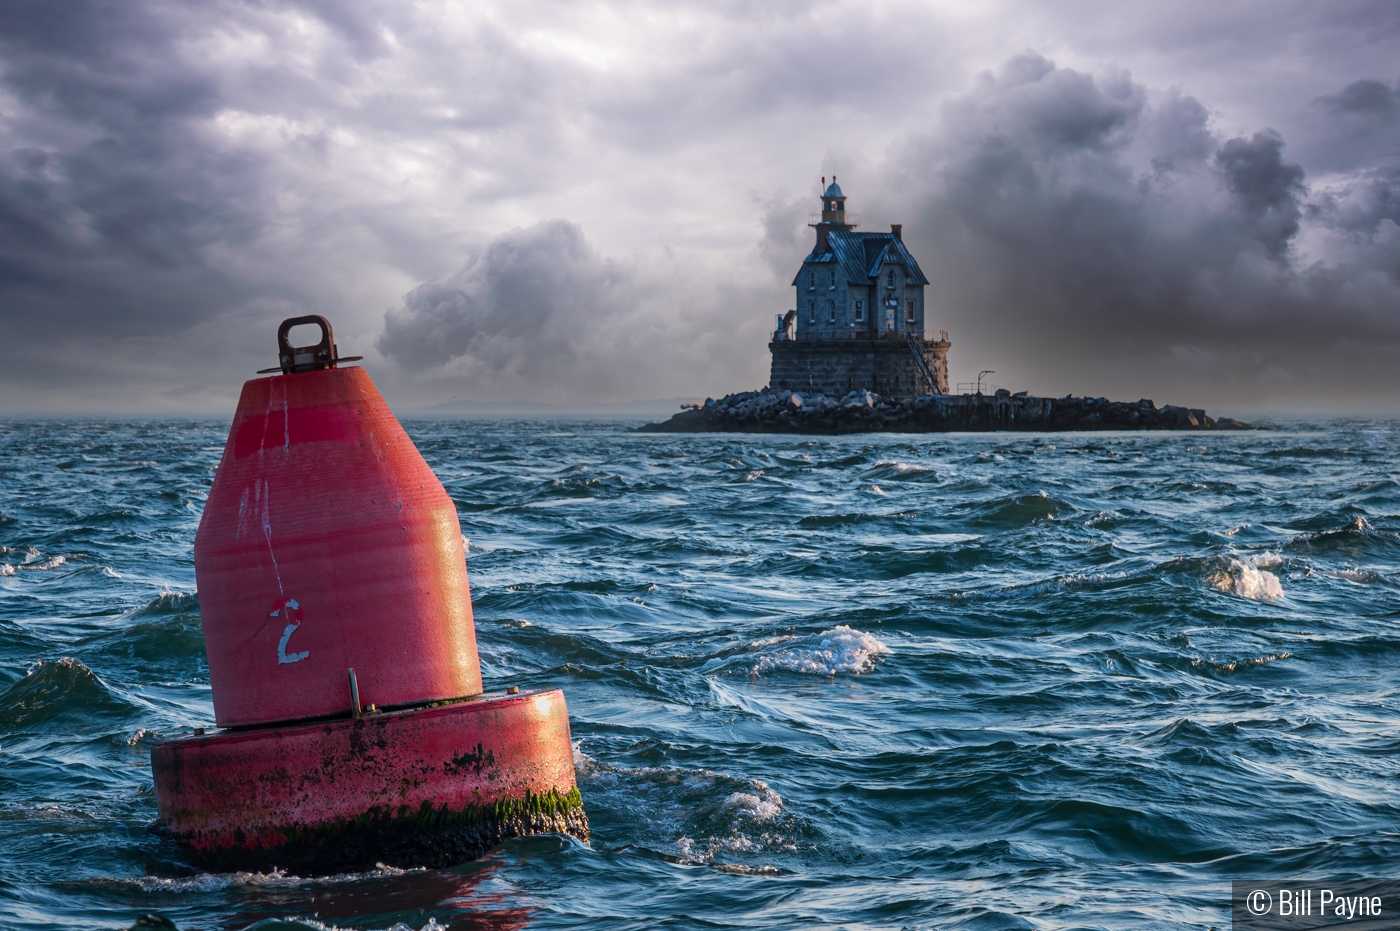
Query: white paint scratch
<point>265,494</point>
<point>242,514</point>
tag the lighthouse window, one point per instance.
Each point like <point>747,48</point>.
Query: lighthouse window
<point>811,279</point>
<point>811,311</point>
<point>831,283</point>
<point>833,310</point>
<point>909,312</point>
<point>860,311</point>
<point>890,278</point>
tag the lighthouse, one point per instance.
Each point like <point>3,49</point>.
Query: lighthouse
<point>859,315</point>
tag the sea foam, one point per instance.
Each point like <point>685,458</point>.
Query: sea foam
<point>838,650</point>
<point>1247,578</point>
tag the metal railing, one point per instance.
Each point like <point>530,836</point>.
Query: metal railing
<point>978,387</point>
<point>786,324</point>
<point>853,335</point>
<point>815,219</point>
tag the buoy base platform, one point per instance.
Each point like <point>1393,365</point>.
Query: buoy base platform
<point>428,786</point>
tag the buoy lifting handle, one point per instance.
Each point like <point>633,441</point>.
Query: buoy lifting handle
<point>306,358</point>
<point>320,355</point>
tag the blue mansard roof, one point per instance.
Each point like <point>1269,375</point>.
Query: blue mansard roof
<point>861,255</point>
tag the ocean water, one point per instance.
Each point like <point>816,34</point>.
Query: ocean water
<point>981,682</point>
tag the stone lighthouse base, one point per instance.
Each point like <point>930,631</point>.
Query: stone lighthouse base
<point>888,366</point>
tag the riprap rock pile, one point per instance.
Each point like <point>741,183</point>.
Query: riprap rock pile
<point>862,411</point>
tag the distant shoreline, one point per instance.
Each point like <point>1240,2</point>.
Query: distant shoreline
<point>657,407</point>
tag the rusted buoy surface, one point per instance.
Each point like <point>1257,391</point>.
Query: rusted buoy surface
<point>424,787</point>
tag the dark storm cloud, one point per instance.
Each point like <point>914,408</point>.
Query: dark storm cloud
<point>1364,99</point>
<point>1359,126</point>
<point>1267,189</point>
<point>148,155</point>
<point>114,190</point>
<point>1087,234</point>
<point>517,307</point>
<point>114,203</point>
<point>539,313</point>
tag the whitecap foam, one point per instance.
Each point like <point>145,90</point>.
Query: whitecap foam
<point>1247,581</point>
<point>695,814</point>
<point>583,763</point>
<point>169,601</point>
<point>838,650</point>
<point>53,562</point>
<point>1057,584</point>
<point>6,570</point>
<point>1356,575</point>
<point>764,806</point>
<point>901,467</point>
<point>1230,668</point>
<point>273,879</point>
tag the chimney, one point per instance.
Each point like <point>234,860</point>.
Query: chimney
<point>897,229</point>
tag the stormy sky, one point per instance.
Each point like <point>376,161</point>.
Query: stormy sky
<point>561,201</point>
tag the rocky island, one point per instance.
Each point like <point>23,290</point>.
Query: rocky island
<point>862,411</point>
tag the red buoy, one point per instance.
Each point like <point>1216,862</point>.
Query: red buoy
<point>337,620</point>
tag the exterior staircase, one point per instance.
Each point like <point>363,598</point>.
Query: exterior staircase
<point>917,348</point>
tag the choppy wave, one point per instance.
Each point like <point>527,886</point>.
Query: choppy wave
<point>832,652</point>
<point>272,879</point>
<point>166,603</point>
<point>1249,578</point>
<point>700,816</point>
<point>55,690</point>
<point>1043,587</point>
<point>1231,667</point>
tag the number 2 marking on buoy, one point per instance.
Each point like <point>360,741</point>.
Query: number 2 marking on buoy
<point>290,610</point>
